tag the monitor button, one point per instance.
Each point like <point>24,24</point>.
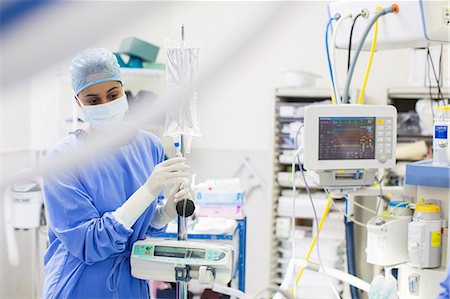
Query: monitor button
<point>382,158</point>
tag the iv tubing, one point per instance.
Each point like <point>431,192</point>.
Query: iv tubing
<point>369,64</point>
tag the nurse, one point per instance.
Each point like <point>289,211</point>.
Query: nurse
<point>97,210</point>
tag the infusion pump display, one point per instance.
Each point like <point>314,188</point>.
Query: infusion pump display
<point>349,137</point>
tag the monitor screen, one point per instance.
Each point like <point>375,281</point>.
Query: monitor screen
<point>346,138</point>
<point>167,251</point>
<point>179,252</point>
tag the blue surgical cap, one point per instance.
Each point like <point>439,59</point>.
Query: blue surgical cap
<point>93,66</point>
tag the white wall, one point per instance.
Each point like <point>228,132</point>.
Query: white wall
<point>236,105</point>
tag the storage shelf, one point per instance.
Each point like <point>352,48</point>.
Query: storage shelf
<point>314,94</point>
<point>295,97</point>
<point>411,92</point>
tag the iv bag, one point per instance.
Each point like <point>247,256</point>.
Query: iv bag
<point>182,73</point>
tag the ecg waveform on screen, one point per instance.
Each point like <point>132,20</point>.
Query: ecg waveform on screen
<point>346,138</point>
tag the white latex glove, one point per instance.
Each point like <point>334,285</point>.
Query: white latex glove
<point>177,194</point>
<point>166,174</point>
<point>169,173</point>
<point>168,212</point>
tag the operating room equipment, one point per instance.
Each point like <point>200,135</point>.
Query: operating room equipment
<point>175,261</point>
<point>441,136</point>
<point>424,236</point>
<point>348,143</point>
<point>418,23</point>
<point>23,210</point>
<point>387,235</point>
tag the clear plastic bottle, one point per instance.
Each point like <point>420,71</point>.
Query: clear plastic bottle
<point>441,131</point>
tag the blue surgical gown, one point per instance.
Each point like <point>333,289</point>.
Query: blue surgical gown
<point>445,284</point>
<point>89,252</point>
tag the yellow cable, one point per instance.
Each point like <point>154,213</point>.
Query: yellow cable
<point>369,64</point>
<point>333,99</point>
<point>313,243</point>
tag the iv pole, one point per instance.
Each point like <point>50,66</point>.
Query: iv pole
<point>181,289</point>
<point>185,208</point>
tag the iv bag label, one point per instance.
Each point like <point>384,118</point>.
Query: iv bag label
<point>436,239</point>
<point>440,132</point>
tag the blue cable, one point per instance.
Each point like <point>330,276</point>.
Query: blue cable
<point>328,56</point>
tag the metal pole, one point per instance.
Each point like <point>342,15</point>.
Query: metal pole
<point>181,236</point>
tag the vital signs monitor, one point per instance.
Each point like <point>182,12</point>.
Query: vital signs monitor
<point>338,138</point>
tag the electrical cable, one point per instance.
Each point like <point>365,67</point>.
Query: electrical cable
<point>346,215</point>
<point>364,208</point>
<point>294,189</point>
<point>381,193</point>
<point>369,63</point>
<point>350,40</point>
<point>333,57</point>
<point>293,201</point>
<point>318,226</point>
<point>330,69</point>
<point>313,243</point>
<point>390,9</point>
<point>440,75</point>
<point>440,94</point>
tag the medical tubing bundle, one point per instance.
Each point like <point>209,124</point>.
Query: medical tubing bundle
<point>380,13</point>
<point>333,58</point>
<point>369,63</point>
<point>330,68</point>
<point>350,40</point>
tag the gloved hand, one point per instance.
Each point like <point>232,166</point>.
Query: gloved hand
<point>177,194</point>
<point>167,174</point>
<point>168,212</point>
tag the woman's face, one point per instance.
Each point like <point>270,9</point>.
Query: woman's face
<point>101,93</point>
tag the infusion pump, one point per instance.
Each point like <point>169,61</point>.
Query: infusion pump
<point>172,261</point>
<point>346,144</point>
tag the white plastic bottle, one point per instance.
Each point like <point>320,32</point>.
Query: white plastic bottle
<point>441,132</point>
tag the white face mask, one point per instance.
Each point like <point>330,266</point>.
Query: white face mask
<point>106,117</point>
